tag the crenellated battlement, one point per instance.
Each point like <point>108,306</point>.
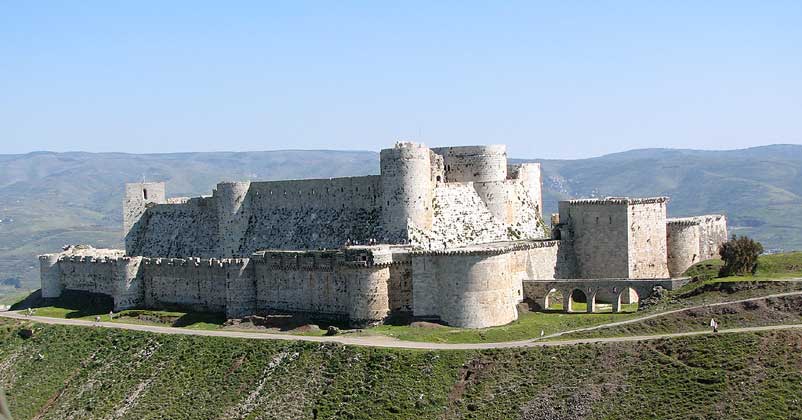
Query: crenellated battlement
<point>447,232</point>
<point>695,220</point>
<point>491,249</point>
<point>616,201</point>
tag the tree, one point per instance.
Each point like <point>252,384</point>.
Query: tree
<point>740,256</point>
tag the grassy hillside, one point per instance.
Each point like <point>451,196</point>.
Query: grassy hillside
<point>73,372</point>
<point>51,199</point>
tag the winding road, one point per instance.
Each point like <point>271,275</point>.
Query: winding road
<point>389,342</point>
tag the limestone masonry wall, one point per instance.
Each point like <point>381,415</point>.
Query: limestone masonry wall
<point>477,287</point>
<point>452,234</point>
<point>197,284</point>
<point>350,284</point>
<point>176,230</point>
<point>311,214</point>
<point>683,247</point>
<point>419,198</point>
<point>597,232</point>
<point>474,163</point>
<point>647,240</point>
<point>406,180</point>
<point>694,239</point>
<point>136,199</point>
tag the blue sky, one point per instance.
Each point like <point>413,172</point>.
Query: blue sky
<point>550,79</point>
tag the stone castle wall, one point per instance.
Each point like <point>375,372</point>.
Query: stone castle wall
<point>597,232</point>
<point>182,230</point>
<point>694,239</point>
<point>195,283</point>
<point>474,163</point>
<point>336,284</point>
<point>461,233</point>
<point>477,287</point>
<point>616,237</point>
<point>683,247</point>
<point>410,202</point>
<point>647,239</point>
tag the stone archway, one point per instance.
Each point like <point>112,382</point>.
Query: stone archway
<point>628,300</point>
<point>554,300</point>
<point>578,301</point>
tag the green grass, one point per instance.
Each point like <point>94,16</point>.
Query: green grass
<point>528,325</point>
<point>93,373</point>
<point>12,298</point>
<point>774,266</point>
<point>774,311</point>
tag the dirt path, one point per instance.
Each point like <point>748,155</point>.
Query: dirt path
<point>384,341</point>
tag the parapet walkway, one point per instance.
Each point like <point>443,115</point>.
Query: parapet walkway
<point>388,342</point>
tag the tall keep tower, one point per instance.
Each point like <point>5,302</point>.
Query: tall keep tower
<point>406,172</point>
<point>137,197</point>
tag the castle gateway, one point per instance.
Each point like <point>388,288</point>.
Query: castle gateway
<point>454,234</point>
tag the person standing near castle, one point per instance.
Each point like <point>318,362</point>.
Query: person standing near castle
<point>714,325</point>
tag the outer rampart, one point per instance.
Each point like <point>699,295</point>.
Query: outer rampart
<point>694,239</point>
<point>352,284</point>
<point>478,286</point>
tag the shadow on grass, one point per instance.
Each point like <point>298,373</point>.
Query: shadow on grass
<point>77,304</point>
<point>191,318</point>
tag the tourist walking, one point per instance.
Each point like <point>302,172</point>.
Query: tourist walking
<point>714,325</point>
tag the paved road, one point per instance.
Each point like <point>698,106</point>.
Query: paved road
<point>389,342</point>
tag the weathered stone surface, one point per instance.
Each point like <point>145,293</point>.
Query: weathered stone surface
<point>454,234</point>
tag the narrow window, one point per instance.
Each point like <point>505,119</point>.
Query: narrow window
<point>145,193</point>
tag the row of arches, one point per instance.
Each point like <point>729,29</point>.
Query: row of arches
<point>577,300</point>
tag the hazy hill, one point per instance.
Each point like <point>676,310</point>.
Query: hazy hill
<point>51,199</point>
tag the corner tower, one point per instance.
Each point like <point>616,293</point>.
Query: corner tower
<point>407,190</point>
<point>232,213</point>
<point>137,197</point>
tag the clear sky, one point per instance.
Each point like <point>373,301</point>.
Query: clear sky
<point>555,79</point>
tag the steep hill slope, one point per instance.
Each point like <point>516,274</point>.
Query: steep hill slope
<point>95,373</point>
<point>51,199</point>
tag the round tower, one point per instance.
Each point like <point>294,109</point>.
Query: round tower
<point>406,189</point>
<point>682,243</point>
<point>232,217</point>
<point>474,163</point>
<point>368,301</point>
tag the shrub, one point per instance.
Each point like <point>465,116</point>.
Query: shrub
<point>740,256</point>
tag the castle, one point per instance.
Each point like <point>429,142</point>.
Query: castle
<point>454,234</point>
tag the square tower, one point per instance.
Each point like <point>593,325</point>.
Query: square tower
<point>137,197</point>
<point>617,237</point>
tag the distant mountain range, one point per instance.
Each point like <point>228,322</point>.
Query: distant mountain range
<point>51,199</point>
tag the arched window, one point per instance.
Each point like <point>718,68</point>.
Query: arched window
<point>145,193</point>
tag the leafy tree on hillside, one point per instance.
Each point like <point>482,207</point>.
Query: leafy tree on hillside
<point>740,256</point>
